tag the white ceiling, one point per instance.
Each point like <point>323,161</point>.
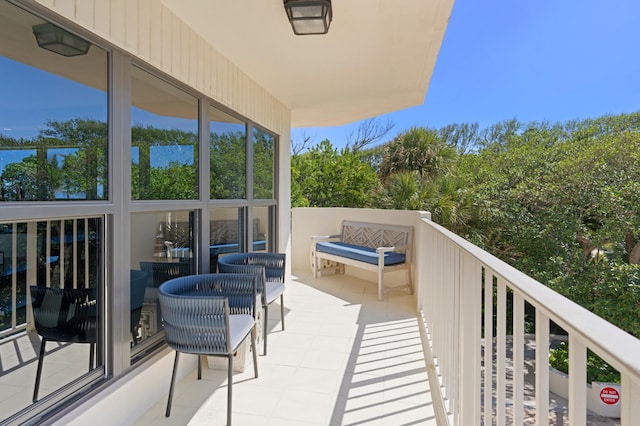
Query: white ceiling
<point>378,56</point>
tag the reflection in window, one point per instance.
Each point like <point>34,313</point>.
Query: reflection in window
<point>164,137</point>
<point>263,164</point>
<point>228,143</point>
<point>50,286</point>
<point>262,238</point>
<point>53,135</point>
<point>162,246</point>
<point>226,234</point>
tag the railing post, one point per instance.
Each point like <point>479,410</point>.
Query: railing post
<point>469,340</point>
<point>542,368</point>
<point>518,359</point>
<point>577,382</point>
<point>488,345</point>
<point>501,352</point>
<point>630,411</point>
<point>32,270</point>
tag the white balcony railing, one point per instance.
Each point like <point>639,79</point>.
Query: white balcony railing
<point>450,276</point>
<point>454,305</point>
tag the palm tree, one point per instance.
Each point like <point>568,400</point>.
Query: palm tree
<point>418,149</point>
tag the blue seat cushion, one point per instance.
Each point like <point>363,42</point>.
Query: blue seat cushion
<point>363,254</point>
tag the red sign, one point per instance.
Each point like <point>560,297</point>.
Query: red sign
<point>609,395</point>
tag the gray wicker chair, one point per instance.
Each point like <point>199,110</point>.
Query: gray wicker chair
<point>212,315</point>
<point>271,269</point>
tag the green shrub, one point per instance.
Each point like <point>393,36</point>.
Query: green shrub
<point>597,369</point>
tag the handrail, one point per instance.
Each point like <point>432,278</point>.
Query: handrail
<point>454,277</point>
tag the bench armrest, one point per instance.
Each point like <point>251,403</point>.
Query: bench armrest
<point>317,238</point>
<point>388,249</point>
<point>384,249</point>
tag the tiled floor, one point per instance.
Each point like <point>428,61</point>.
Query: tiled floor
<point>63,363</point>
<point>344,359</point>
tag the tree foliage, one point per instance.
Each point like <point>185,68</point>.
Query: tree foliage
<point>418,149</point>
<point>324,176</point>
<point>228,165</point>
<point>559,201</point>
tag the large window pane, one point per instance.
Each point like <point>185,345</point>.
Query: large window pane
<point>262,235</point>
<point>263,164</point>
<point>51,280</point>
<point>226,234</point>
<point>164,137</point>
<point>53,113</point>
<point>162,246</point>
<point>228,142</point>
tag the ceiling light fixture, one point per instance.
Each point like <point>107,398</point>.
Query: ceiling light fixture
<point>309,16</point>
<point>62,42</point>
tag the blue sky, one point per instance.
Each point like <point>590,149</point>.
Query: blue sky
<point>544,60</point>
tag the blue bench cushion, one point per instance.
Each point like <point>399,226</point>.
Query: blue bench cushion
<point>361,253</point>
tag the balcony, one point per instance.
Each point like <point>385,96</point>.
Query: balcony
<point>346,358</point>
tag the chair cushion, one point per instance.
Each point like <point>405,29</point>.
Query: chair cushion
<point>274,290</point>
<point>361,253</point>
<point>239,328</point>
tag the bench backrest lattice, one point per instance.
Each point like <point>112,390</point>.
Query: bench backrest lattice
<point>371,235</point>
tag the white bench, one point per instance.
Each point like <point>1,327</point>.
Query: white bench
<point>371,246</point>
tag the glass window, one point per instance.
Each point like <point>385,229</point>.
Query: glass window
<point>226,234</point>
<point>161,248</point>
<point>263,164</point>
<point>53,113</point>
<point>51,284</point>
<point>228,142</point>
<point>262,236</point>
<point>164,137</point>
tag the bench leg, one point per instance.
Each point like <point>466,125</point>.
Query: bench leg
<point>409,283</point>
<point>380,283</point>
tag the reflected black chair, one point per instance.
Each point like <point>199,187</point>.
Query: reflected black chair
<point>64,315</point>
<point>211,315</point>
<point>138,284</point>
<point>271,269</point>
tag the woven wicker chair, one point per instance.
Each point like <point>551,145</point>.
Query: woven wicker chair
<point>63,315</point>
<point>212,315</point>
<point>271,269</point>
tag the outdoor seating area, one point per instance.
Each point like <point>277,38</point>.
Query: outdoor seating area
<point>345,358</point>
<point>375,247</point>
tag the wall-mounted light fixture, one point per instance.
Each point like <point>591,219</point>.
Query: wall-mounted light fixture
<point>62,42</point>
<point>309,16</point>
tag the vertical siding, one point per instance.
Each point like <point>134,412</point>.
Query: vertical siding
<point>151,32</point>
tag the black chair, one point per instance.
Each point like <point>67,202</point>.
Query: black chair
<point>138,284</point>
<point>270,267</point>
<point>211,315</point>
<point>64,315</point>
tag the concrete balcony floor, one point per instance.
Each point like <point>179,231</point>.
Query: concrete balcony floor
<point>345,358</point>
